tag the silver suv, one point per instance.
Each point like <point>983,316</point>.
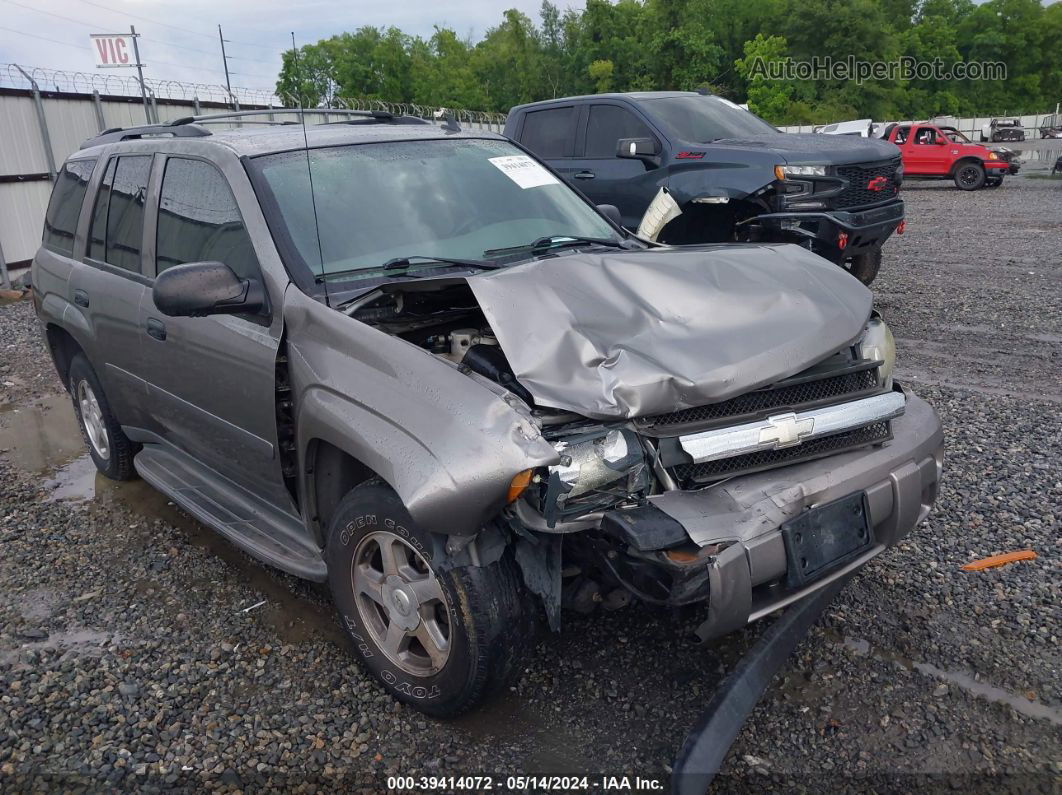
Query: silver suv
<point>412,362</point>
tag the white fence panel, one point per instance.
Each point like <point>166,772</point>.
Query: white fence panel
<point>22,206</point>
<point>21,147</point>
<point>70,121</point>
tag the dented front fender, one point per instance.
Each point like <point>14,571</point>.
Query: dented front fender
<point>447,443</point>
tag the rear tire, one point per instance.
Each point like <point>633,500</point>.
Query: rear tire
<point>438,640</point>
<point>110,448</point>
<point>865,266</point>
<point>970,176</point>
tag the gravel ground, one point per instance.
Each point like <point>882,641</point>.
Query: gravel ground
<point>140,651</point>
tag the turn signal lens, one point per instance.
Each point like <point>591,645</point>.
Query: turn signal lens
<point>518,485</point>
<point>779,172</point>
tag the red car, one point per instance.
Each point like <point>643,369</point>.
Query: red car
<point>931,152</point>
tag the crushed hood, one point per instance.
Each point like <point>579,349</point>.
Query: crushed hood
<point>629,333</point>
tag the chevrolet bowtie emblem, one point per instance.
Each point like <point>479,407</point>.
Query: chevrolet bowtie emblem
<point>785,430</point>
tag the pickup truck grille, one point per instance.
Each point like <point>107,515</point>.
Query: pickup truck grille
<point>693,475</point>
<point>868,183</point>
<point>794,394</point>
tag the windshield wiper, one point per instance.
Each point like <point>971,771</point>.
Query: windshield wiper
<point>402,265</point>
<point>557,241</point>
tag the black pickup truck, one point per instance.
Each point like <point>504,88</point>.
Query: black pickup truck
<point>732,175</point>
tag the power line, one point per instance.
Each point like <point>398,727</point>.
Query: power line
<point>49,13</point>
<point>45,38</point>
<point>173,27</point>
<point>92,25</point>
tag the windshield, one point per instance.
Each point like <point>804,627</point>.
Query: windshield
<point>456,198</point>
<point>704,119</point>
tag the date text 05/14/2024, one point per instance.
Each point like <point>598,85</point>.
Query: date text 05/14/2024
<point>522,783</point>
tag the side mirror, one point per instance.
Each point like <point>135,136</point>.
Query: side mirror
<point>197,289</point>
<point>942,142</point>
<point>644,149</point>
<point>611,212</point>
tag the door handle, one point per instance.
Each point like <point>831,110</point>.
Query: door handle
<point>156,328</point>
<point>81,298</point>
<point>585,175</point>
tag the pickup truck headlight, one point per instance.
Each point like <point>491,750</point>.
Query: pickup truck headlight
<point>590,464</point>
<point>993,156</point>
<point>781,172</point>
<point>879,344</point>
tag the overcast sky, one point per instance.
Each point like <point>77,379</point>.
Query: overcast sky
<point>180,39</point>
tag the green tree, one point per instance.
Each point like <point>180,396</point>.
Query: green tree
<point>601,73</point>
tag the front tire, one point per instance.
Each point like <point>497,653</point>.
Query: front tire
<point>437,639</point>
<point>110,448</point>
<point>969,176</point>
<point>865,266</point>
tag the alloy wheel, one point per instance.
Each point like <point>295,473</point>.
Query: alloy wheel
<point>401,602</point>
<point>92,419</point>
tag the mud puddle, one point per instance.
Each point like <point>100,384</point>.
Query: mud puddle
<point>41,436</point>
<point>964,681</point>
<point>44,438</point>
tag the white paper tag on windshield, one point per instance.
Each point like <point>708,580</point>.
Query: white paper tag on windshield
<point>524,171</point>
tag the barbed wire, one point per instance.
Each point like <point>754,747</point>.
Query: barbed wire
<point>61,81</point>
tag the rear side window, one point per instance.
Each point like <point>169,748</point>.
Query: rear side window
<point>199,220</point>
<point>609,123</point>
<point>118,216</point>
<point>68,195</point>
<point>547,132</point>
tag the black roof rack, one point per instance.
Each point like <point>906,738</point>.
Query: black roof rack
<point>191,126</point>
<point>151,130</point>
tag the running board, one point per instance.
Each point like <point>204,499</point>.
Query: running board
<point>261,530</point>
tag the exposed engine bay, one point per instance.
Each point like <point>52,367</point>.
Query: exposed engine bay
<point>445,320</point>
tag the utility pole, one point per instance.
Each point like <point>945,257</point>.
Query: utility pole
<point>225,62</point>
<point>140,75</point>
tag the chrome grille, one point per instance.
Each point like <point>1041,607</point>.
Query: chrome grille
<point>780,396</point>
<point>690,475</point>
<point>861,178</point>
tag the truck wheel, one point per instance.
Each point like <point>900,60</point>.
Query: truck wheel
<point>969,176</point>
<point>438,640</point>
<point>110,448</point>
<point>865,266</point>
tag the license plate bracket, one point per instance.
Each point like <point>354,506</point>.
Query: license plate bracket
<point>825,537</point>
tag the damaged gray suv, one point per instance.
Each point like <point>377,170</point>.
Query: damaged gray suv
<point>411,362</point>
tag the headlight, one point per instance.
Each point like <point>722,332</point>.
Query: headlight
<point>781,172</point>
<point>879,344</point>
<point>993,156</point>
<point>593,463</point>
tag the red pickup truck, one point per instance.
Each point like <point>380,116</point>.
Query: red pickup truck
<point>931,152</point>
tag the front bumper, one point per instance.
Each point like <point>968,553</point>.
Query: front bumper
<point>866,229</point>
<point>746,580</point>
